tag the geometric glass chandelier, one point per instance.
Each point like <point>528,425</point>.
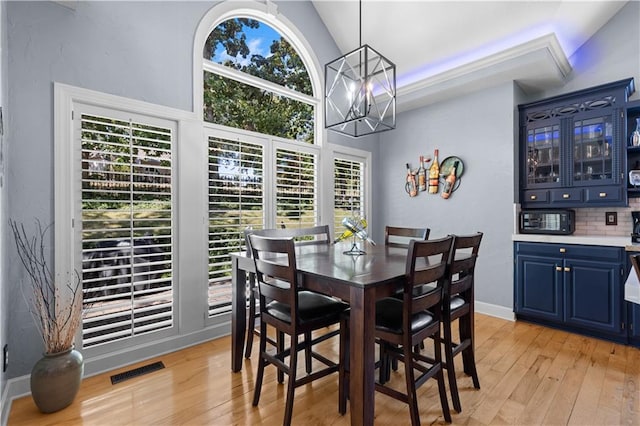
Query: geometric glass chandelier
<point>360,92</point>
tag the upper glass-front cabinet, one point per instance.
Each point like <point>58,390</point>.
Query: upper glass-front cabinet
<point>573,148</point>
<point>592,150</point>
<point>543,155</point>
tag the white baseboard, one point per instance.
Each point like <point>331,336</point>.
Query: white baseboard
<point>495,311</point>
<point>15,388</point>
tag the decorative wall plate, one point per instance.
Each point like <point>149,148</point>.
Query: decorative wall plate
<point>447,163</point>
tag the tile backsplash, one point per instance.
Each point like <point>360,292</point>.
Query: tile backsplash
<point>592,221</point>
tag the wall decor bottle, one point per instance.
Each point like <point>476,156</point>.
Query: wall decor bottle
<point>422,176</point>
<point>411,187</point>
<point>450,182</point>
<point>634,139</point>
<point>434,174</point>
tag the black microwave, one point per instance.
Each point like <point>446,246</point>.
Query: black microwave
<point>562,222</point>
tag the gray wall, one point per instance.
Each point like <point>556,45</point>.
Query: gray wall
<point>479,129</point>
<point>611,54</point>
<point>4,323</point>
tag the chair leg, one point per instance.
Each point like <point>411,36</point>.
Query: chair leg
<point>444,403</point>
<point>261,363</point>
<point>251,324</point>
<point>468,356</point>
<point>291,387</point>
<point>451,370</point>
<point>280,344</point>
<point>343,367</point>
<point>412,397</point>
<point>307,351</point>
<point>384,364</point>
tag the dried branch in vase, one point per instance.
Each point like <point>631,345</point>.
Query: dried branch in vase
<point>57,311</point>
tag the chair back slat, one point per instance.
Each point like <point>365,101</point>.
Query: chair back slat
<point>462,263</point>
<point>426,264</point>
<point>276,272</point>
<point>400,237</point>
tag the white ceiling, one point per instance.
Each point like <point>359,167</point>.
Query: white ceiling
<point>446,48</point>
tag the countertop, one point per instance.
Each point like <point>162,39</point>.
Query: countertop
<point>580,239</point>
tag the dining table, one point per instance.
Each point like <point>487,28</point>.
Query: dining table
<point>359,280</point>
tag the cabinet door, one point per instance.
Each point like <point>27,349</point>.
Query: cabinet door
<point>596,148</point>
<point>539,287</point>
<point>542,154</point>
<point>593,295</point>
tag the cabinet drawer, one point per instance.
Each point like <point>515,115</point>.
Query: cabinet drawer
<point>599,253</point>
<point>573,251</point>
<point>604,194</point>
<point>532,197</point>
<point>540,249</point>
<point>566,195</point>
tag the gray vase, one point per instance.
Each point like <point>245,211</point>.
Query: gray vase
<point>55,380</point>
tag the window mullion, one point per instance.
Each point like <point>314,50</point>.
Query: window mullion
<point>251,80</point>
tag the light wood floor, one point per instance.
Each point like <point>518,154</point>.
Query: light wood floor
<point>530,375</point>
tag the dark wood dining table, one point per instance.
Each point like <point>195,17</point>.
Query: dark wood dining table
<point>358,280</point>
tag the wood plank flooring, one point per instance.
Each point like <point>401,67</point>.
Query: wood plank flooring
<point>530,375</point>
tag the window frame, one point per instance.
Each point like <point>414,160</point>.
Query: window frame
<point>67,178</point>
<point>351,154</point>
<point>267,13</point>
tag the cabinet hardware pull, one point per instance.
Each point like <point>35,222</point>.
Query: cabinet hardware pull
<point>603,194</point>
<point>559,268</point>
<point>567,269</point>
<point>566,196</point>
<point>563,250</point>
<point>534,197</point>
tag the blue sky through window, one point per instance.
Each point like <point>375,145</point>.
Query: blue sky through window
<point>258,40</point>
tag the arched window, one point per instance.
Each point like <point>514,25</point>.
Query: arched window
<point>250,101</point>
<point>262,125</point>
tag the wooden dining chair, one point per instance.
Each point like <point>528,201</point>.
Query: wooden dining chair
<point>400,237</point>
<point>458,304</point>
<point>403,324</point>
<point>395,236</point>
<point>302,236</point>
<point>292,311</point>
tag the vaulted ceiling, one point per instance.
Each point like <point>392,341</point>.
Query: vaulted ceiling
<point>446,48</point>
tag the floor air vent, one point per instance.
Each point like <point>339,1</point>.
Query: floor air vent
<point>121,377</point>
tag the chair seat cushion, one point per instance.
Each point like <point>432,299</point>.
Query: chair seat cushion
<point>456,302</point>
<point>312,306</point>
<point>389,316</point>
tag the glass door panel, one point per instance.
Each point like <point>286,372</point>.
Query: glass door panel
<point>592,152</point>
<point>543,155</point>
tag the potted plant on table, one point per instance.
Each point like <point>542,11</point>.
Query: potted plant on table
<point>56,306</point>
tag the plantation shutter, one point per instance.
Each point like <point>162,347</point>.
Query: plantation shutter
<point>296,205</point>
<point>236,202</point>
<point>348,195</point>
<point>127,228</point>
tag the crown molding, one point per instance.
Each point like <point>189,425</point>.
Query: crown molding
<point>535,65</point>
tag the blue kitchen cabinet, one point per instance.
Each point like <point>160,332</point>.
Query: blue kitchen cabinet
<point>575,287</point>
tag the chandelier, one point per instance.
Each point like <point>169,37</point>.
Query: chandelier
<point>360,92</point>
